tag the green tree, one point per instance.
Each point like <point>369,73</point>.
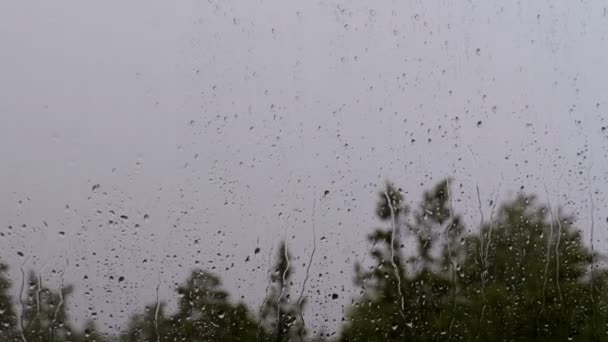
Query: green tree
<point>400,302</point>
<point>525,275</point>
<point>8,317</point>
<point>147,326</point>
<point>90,333</point>
<point>44,315</point>
<point>204,314</point>
<point>280,312</point>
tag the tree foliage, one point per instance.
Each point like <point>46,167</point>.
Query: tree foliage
<point>522,274</point>
<point>204,314</point>
<point>280,312</point>
<point>8,318</point>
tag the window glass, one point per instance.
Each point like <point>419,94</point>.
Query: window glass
<point>303,171</point>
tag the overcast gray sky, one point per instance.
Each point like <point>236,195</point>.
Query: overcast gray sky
<point>213,117</point>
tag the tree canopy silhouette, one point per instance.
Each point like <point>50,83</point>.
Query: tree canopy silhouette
<point>523,274</point>
<point>280,312</point>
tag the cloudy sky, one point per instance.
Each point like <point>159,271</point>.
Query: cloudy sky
<point>212,126</point>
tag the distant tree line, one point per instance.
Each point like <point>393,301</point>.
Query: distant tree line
<point>523,274</point>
